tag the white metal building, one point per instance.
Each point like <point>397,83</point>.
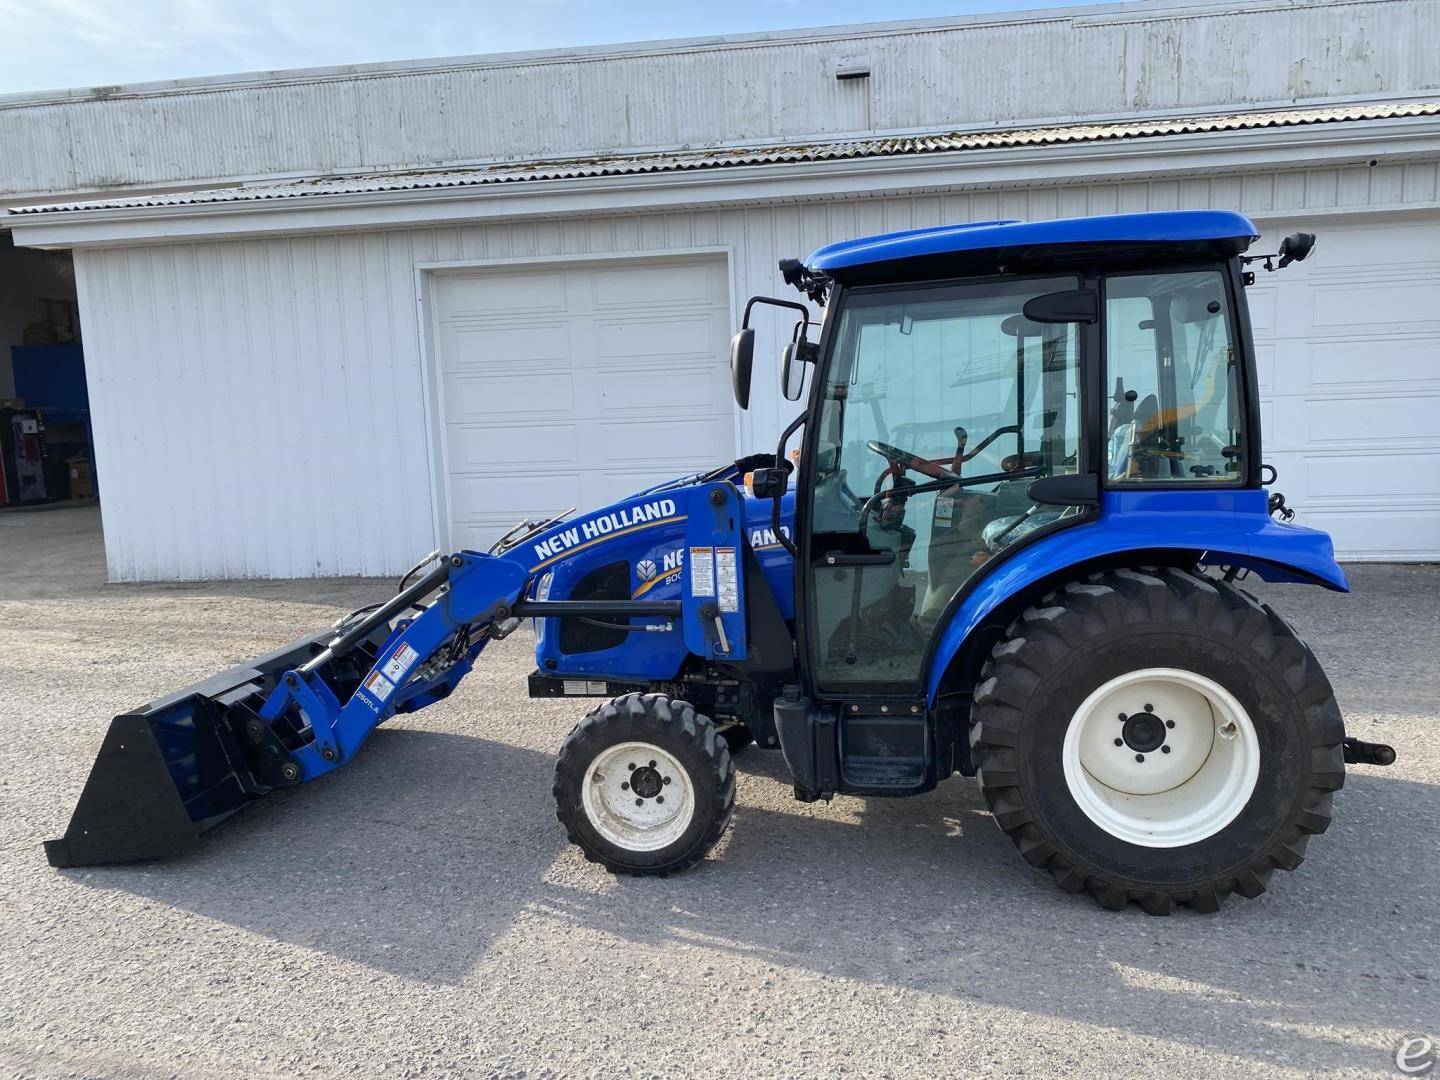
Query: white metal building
<point>336,318</point>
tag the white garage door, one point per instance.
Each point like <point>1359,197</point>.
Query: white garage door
<point>575,384</point>
<point>1348,345</point>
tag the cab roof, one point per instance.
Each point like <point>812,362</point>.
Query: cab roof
<point>1217,232</point>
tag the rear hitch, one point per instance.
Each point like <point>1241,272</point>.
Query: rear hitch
<point>1360,752</point>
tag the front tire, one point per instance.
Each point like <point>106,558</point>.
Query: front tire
<point>644,785</point>
<point>1157,736</point>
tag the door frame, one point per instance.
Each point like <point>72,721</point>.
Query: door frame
<point>426,274</point>
<point>1089,415</point>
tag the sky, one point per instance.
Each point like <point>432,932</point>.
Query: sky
<point>58,44</point>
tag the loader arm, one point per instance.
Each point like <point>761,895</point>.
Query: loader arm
<point>171,771</point>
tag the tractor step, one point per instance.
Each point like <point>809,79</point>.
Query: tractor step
<point>883,753</point>
<point>854,749</point>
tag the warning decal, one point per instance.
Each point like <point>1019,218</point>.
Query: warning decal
<point>702,571</point>
<point>727,579</point>
<point>379,686</point>
<point>396,667</point>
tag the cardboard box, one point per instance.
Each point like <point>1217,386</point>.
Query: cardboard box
<point>81,478</point>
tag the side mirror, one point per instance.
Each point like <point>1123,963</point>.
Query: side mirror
<point>1296,248</point>
<point>769,483</point>
<point>742,360</point>
<point>1066,306</point>
<point>792,370</point>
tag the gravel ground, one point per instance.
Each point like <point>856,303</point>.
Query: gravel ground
<point>419,913</point>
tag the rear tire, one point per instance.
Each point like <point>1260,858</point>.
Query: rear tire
<point>1234,694</point>
<point>644,785</point>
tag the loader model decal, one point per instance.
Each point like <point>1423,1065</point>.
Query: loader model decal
<point>595,529</point>
<point>668,573</point>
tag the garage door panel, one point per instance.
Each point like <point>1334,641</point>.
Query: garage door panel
<point>1369,362</point>
<point>634,338</point>
<point>467,295</point>
<point>482,447</point>
<point>1363,421</point>
<point>470,397</point>
<point>659,283</point>
<point>666,391</point>
<point>1370,477</point>
<point>483,345</point>
<point>689,440</point>
<point>623,384</point>
<point>1261,299</point>
<point>1383,306</point>
<point>1265,366</point>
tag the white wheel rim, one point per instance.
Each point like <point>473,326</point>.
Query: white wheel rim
<point>1143,793</point>
<point>638,796</point>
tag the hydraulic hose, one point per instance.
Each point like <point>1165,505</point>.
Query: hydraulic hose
<point>382,614</point>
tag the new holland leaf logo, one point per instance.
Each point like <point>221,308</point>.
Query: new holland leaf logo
<point>645,569</point>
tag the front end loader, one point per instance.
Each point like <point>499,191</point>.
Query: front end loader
<point>1029,488</point>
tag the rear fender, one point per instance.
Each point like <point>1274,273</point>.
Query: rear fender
<point>1220,528</point>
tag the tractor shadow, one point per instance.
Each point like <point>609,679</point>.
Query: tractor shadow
<point>430,847</point>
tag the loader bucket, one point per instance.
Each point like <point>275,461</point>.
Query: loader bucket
<point>173,770</point>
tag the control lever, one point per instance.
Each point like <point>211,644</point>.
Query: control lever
<point>710,611</point>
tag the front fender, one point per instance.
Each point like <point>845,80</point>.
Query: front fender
<point>1230,527</point>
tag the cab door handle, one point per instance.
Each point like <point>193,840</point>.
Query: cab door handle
<point>841,558</point>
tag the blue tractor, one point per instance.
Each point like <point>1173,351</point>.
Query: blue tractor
<point>1026,483</point>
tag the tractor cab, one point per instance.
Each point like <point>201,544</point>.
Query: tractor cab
<point>979,389</point>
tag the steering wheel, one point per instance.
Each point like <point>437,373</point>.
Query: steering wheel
<point>900,460</point>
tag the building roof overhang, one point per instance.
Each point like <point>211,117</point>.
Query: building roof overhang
<point>849,168</point>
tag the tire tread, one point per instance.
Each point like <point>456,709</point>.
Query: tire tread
<point>1042,636</point>
<point>673,718</point>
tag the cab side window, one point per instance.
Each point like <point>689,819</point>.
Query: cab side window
<point>1174,414</point>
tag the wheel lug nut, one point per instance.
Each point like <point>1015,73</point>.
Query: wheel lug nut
<point>631,766</point>
<point>639,802</point>
<point>659,798</point>
<point>1140,758</point>
<point>625,785</point>
<point>1123,718</point>
<point>1170,723</point>
<point>1164,749</point>
<point>652,764</point>
<point>1149,707</point>
<point>667,779</point>
<point>1119,742</point>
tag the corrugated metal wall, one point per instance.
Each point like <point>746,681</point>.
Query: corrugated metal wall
<point>258,404</point>
<point>988,71</point>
